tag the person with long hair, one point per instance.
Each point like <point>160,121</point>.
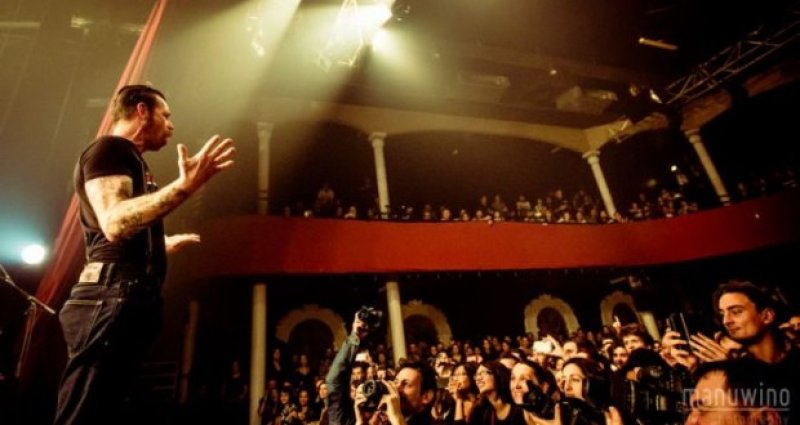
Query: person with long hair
<point>495,406</point>
<point>464,390</point>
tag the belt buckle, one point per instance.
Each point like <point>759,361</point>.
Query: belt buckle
<point>91,273</point>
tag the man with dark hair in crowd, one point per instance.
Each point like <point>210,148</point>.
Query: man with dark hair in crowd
<point>751,317</point>
<point>734,392</point>
<point>633,336</point>
<point>408,399</point>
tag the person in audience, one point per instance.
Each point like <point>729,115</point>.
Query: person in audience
<point>732,392</point>
<point>634,336</point>
<point>408,400</point>
<point>495,406</point>
<point>463,389</point>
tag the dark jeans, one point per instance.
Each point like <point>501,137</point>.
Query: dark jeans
<point>107,326</point>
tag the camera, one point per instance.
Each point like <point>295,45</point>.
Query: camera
<point>575,411</point>
<point>537,402</point>
<point>373,390</point>
<point>371,317</point>
<point>657,394</point>
<point>287,416</point>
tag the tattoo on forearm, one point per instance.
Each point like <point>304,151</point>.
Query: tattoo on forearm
<point>125,216</point>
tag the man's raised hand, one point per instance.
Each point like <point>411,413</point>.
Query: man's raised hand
<point>215,156</point>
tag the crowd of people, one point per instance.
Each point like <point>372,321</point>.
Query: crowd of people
<point>745,371</point>
<point>555,207</point>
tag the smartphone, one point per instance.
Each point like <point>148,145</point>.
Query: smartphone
<point>678,323</point>
<point>690,324</point>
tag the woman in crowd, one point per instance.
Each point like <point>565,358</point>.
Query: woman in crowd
<point>463,389</point>
<point>495,405</point>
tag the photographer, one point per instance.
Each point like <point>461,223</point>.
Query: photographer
<point>406,401</point>
<point>534,388</point>
<point>340,402</point>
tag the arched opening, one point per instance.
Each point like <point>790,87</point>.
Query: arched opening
<point>551,322</point>
<point>625,314</point>
<point>420,328</point>
<point>311,337</point>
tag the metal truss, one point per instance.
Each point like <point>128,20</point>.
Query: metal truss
<point>735,59</point>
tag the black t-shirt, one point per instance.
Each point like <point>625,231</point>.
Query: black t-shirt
<point>109,156</point>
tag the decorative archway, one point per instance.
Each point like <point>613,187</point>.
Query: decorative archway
<point>308,312</point>
<point>548,301</point>
<point>611,300</point>
<point>439,319</point>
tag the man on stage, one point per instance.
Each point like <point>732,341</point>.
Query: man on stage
<point>114,311</point>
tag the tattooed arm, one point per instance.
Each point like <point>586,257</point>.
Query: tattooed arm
<point>120,215</point>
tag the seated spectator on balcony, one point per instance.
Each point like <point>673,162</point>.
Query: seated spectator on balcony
<point>351,214</point>
<point>580,218</point>
<point>742,191</point>
<point>635,212</point>
<point>480,216</point>
<point>445,214</point>
<point>618,218</point>
<point>548,217</point>
<point>498,216</point>
<point>483,205</point>
<point>523,206</point>
<point>566,218</point>
<point>463,215</point>
<point>325,205</point>
<point>498,204</point>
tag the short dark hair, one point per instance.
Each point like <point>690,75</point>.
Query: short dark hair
<point>128,97</point>
<point>756,294</point>
<point>426,372</point>
<point>743,376</point>
<point>637,330</point>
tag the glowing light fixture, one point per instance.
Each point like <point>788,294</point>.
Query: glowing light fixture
<point>33,254</point>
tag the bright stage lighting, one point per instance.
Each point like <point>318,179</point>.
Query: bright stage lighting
<point>380,41</point>
<point>33,254</point>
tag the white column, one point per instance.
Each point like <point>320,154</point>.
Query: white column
<point>378,141</point>
<point>708,165</point>
<point>593,158</point>
<point>396,320</point>
<point>189,340</point>
<point>258,337</point>
<point>258,350</point>
<point>264,138</point>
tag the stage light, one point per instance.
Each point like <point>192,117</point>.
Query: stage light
<point>380,41</point>
<point>673,168</point>
<point>658,44</point>
<point>33,254</point>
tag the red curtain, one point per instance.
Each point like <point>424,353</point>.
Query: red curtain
<point>47,354</point>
